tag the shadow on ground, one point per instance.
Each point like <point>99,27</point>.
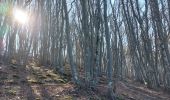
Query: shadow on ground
<point>43,83</point>
<point>32,83</point>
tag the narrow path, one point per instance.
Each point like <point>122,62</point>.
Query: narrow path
<point>134,91</point>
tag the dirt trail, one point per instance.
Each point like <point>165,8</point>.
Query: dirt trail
<point>135,91</point>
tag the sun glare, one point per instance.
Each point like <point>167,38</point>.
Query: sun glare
<point>20,16</point>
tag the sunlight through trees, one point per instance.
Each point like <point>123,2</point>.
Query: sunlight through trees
<point>91,40</point>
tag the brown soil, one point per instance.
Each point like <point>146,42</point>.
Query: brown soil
<point>42,83</point>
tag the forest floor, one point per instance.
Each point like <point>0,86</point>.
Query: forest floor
<point>43,83</point>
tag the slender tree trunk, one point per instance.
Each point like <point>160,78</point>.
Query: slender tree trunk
<point>109,55</point>
<point>69,44</point>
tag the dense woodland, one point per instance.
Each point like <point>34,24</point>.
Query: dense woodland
<point>115,39</point>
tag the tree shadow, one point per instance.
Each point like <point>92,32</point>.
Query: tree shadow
<point>45,95</point>
<point>26,89</point>
<point>3,77</point>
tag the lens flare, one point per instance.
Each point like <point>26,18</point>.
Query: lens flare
<point>20,16</point>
